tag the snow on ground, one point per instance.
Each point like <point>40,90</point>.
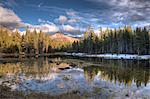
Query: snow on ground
<point>111,56</point>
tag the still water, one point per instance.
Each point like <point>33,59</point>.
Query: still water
<point>92,78</point>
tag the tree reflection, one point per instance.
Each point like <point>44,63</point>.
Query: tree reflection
<point>121,71</point>
<point>124,72</point>
<point>36,68</point>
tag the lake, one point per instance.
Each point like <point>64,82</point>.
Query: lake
<point>87,78</point>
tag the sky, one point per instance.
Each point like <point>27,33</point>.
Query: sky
<point>73,16</point>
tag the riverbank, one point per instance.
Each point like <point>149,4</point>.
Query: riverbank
<point>111,56</point>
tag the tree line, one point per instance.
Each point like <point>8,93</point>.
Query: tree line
<point>28,43</point>
<point>123,40</point>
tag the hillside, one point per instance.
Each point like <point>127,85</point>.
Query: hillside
<point>62,38</point>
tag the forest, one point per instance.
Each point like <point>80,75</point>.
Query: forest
<point>119,41</point>
<point>124,40</point>
<point>29,43</point>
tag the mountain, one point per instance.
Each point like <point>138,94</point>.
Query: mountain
<point>58,37</point>
<point>62,38</point>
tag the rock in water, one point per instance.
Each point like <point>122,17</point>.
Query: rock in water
<point>61,85</point>
<point>60,67</point>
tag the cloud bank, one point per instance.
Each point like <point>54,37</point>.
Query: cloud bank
<point>9,19</point>
<point>125,12</point>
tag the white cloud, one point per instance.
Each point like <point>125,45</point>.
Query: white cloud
<point>71,13</point>
<point>68,28</point>
<point>73,29</point>
<point>125,3</point>
<point>78,36</point>
<point>62,19</point>
<point>141,24</point>
<point>130,3</point>
<point>9,19</point>
<point>73,20</point>
<point>41,20</point>
<point>44,27</point>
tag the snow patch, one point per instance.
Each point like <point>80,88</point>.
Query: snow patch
<point>111,56</point>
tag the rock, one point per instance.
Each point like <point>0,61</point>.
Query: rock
<point>64,68</point>
<point>50,61</point>
<point>127,95</point>
<point>66,77</point>
<point>60,67</point>
<point>1,76</point>
<point>72,65</point>
<point>55,69</point>
<point>61,85</point>
<point>57,63</point>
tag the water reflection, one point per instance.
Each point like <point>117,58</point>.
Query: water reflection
<point>38,71</point>
<point>125,72</point>
<point>112,70</point>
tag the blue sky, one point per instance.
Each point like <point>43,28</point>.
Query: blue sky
<point>74,16</point>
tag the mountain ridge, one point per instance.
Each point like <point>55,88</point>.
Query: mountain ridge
<point>62,38</point>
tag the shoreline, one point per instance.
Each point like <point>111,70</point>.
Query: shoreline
<point>105,56</point>
<point>111,56</point>
<point>16,55</point>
